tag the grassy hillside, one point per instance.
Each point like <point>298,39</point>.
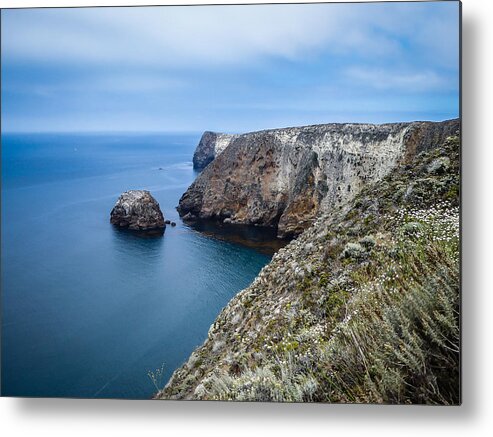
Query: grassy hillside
<point>362,307</point>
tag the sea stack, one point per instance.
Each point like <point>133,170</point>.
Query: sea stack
<point>137,210</point>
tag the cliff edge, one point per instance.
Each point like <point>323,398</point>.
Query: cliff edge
<point>364,305</point>
<point>211,144</point>
<point>283,178</point>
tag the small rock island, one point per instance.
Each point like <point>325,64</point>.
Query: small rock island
<point>137,210</point>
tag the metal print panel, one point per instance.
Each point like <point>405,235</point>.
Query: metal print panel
<point>237,203</point>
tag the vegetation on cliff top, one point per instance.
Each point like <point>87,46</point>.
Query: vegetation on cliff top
<point>362,307</point>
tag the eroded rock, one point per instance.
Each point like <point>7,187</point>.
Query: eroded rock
<point>137,210</point>
<point>282,178</point>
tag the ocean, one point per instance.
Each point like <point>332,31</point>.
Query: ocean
<point>88,310</point>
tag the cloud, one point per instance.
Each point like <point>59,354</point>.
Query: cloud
<point>408,81</point>
<point>163,36</point>
<point>216,35</point>
<point>211,67</point>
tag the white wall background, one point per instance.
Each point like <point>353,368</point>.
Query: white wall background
<point>61,417</point>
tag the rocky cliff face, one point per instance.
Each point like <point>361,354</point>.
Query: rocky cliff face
<point>282,178</point>
<point>137,210</point>
<point>364,305</point>
<point>211,144</point>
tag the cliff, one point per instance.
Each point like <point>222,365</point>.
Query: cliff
<point>364,305</point>
<point>282,178</point>
<point>211,144</point>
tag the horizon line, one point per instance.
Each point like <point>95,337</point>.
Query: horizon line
<point>10,132</point>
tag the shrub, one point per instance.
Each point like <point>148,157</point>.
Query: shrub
<point>439,165</point>
<point>368,242</point>
<point>412,229</point>
<point>354,250</point>
<point>400,340</point>
<point>275,383</point>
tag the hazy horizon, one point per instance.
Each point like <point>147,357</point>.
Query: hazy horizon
<point>171,132</point>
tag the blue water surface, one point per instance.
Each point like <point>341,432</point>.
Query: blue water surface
<point>88,310</point>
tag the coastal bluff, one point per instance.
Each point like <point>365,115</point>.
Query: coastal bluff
<point>283,178</point>
<point>362,307</point>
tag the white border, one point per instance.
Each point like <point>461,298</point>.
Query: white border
<point>61,417</point>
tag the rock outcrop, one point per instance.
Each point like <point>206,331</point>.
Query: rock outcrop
<point>137,210</point>
<point>282,178</point>
<point>211,144</point>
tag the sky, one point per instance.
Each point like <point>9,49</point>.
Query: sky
<point>227,68</point>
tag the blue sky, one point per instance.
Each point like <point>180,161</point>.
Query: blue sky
<point>228,68</point>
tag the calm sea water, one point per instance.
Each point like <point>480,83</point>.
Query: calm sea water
<point>88,310</point>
